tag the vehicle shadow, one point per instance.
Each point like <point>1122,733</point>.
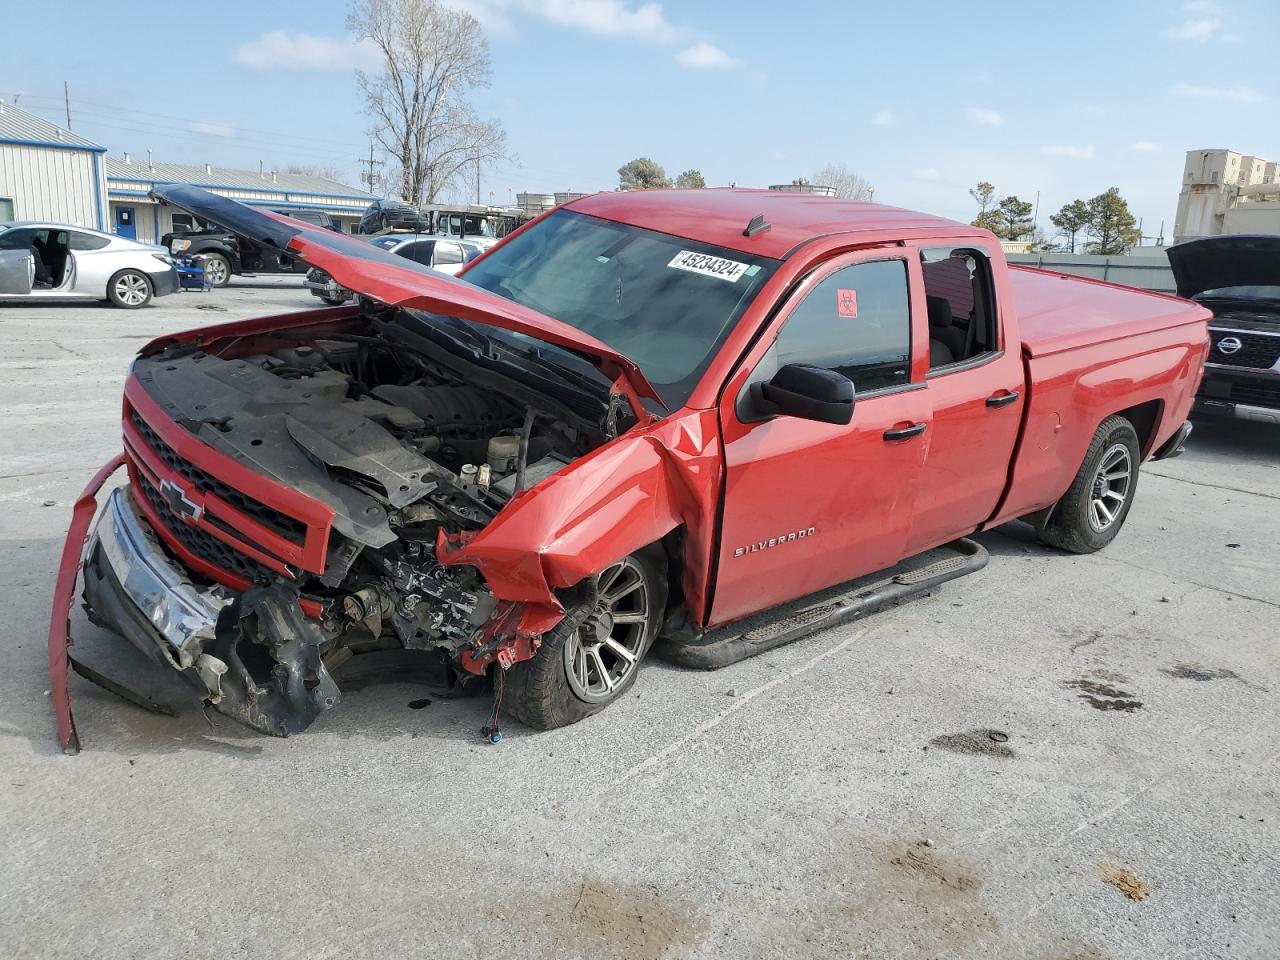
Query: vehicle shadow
<point>1227,440</point>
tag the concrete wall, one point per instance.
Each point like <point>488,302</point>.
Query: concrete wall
<point>1147,272</point>
<point>52,183</point>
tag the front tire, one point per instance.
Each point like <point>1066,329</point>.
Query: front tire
<point>130,289</point>
<point>1094,508</point>
<point>583,666</point>
<point>217,269</point>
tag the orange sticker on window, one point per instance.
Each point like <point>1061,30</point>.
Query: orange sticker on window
<point>847,303</point>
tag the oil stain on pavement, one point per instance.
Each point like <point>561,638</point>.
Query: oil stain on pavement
<point>1193,671</point>
<point>1104,696</point>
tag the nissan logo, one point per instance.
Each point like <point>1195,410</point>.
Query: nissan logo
<point>1229,345</point>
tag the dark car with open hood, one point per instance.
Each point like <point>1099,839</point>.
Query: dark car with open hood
<point>1238,278</point>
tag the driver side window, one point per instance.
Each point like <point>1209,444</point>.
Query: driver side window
<point>856,322</point>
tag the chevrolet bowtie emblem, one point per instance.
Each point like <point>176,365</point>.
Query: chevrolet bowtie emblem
<point>179,503</point>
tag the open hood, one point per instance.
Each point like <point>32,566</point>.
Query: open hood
<point>373,273</point>
<point>1212,263</point>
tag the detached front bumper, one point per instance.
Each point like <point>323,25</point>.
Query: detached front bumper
<point>141,594</point>
<point>133,588</point>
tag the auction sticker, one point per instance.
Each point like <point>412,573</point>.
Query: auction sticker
<point>708,266</point>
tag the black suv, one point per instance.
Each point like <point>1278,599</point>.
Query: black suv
<point>225,253</point>
<point>1238,278</point>
<point>394,215</point>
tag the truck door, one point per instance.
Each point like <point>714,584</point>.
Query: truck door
<point>810,504</point>
<point>975,387</point>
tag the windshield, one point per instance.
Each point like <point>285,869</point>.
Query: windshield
<point>453,224</point>
<point>665,302</point>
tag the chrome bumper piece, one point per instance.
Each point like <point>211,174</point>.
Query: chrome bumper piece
<point>183,615</point>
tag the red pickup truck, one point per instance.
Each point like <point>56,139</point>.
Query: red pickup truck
<point>642,421</point>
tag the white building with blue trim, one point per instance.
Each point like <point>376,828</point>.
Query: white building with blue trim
<point>129,180</point>
<point>49,173</point>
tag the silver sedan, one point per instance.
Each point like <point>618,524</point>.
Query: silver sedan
<point>54,260</point>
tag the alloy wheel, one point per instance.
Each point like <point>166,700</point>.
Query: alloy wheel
<point>1110,488</point>
<point>216,270</point>
<point>131,289</point>
<point>605,651</point>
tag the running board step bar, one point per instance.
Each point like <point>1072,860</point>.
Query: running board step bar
<point>719,648</point>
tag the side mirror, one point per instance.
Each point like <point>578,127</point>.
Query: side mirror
<point>810,393</point>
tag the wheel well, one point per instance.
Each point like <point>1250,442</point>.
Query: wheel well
<point>1145,417</point>
<point>673,545</point>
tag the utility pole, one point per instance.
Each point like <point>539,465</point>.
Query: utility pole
<point>66,95</point>
<point>369,177</point>
<point>477,181</point>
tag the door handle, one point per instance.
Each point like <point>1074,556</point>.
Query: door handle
<point>1002,399</point>
<point>904,433</point>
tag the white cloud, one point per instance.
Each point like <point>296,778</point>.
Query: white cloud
<point>984,117</point>
<point>1195,29</point>
<point>610,18</point>
<point>882,118</point>
<point>706,56</point>
<point>1144,146</point>
<point>1238,94</point>
<point>212,129</point>
<point>928,173</point>
<point>278,50</point>
<point>1075,153</point>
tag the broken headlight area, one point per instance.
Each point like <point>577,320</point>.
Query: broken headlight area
<point>325,572</point>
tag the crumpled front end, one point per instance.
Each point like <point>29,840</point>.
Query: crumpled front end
<point>253,655</point>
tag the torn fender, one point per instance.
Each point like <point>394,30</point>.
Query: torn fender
<point>63,596</point>
<point>620,497</point>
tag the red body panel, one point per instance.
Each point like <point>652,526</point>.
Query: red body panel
<point>64,596</point>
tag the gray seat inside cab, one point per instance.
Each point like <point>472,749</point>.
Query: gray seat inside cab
<point>946,341</point>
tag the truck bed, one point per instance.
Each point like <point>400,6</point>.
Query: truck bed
<point>1091,349</point>
<point>1058,312</point>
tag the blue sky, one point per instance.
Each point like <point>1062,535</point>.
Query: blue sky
<point>922,98</point>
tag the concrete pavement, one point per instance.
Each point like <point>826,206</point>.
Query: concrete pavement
<point>1060,757</point>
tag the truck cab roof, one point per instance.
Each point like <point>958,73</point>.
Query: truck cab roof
<point>720,216</point>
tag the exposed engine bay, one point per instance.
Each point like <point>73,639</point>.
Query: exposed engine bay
<point>406,430</point>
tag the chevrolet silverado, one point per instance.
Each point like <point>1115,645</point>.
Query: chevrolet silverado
<point>643,421</point>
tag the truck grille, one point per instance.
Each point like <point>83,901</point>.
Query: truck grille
<point>291,529</point>
<point>203,545</point>
<point>1256,350</point>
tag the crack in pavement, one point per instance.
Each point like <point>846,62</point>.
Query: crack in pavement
<point>721,716</point>
<point>1176,577</point>
<point>1215,486</point>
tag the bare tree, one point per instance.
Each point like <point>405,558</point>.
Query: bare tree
<point>432,57</point>
<point>847,183</point>
<point>326,170</point>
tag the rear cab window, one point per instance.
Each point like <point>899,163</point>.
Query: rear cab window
<point>960,302</point>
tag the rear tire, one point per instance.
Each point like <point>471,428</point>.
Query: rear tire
<point>578,671</point>
<point>217,268</point>
<point>1094,508</point>
<point>129,289</point>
